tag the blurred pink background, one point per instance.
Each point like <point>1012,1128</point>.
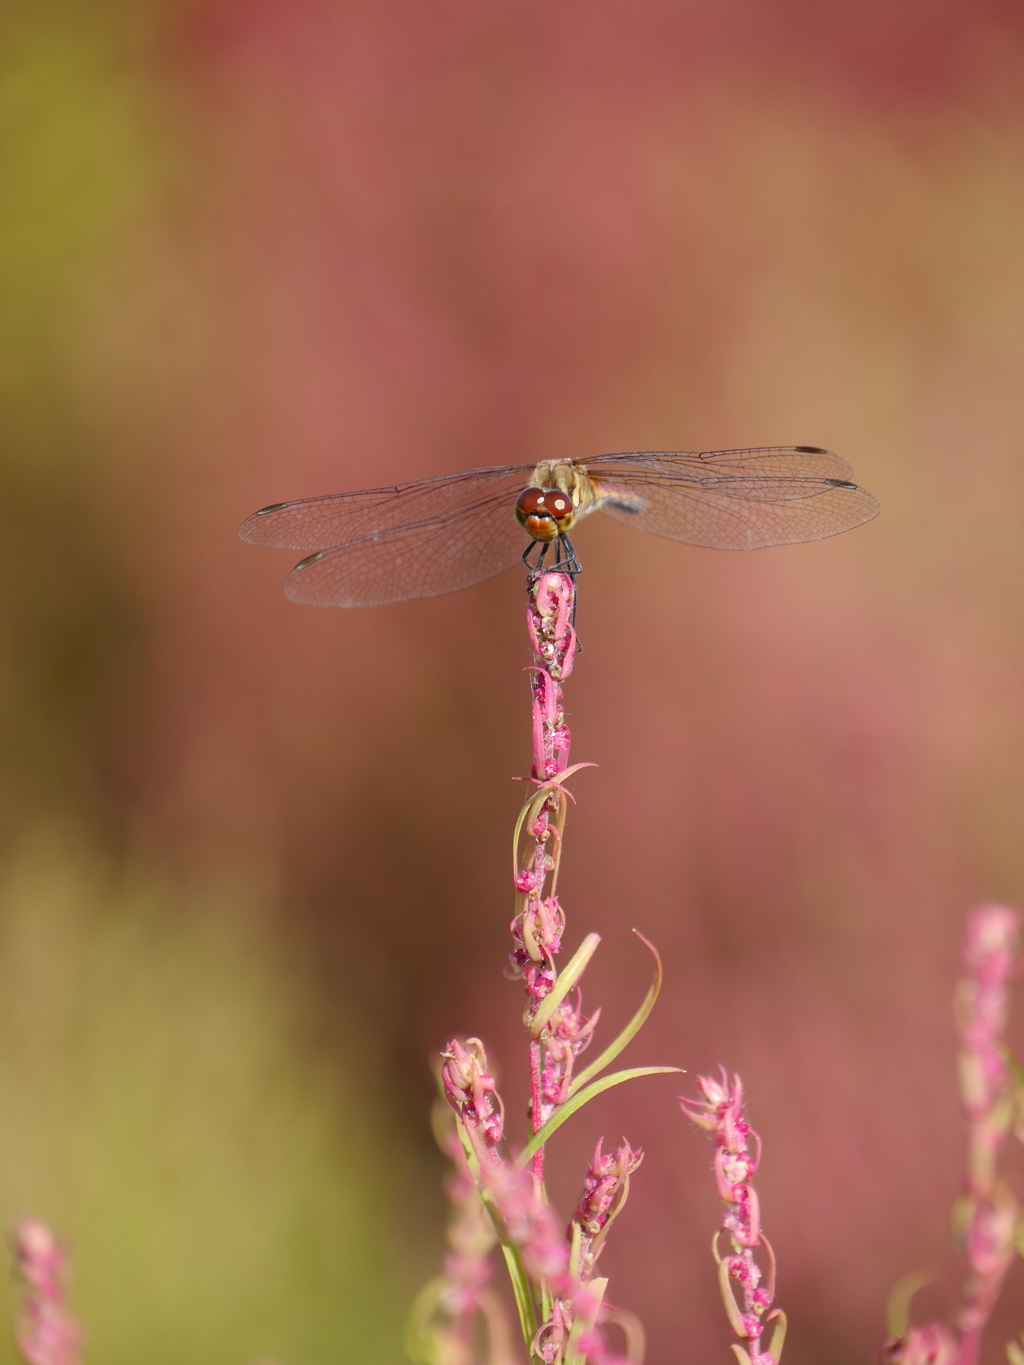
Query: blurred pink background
<point>335,246</point>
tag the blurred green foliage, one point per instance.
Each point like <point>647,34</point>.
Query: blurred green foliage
<point>80,155</point>
<point>78,159</point>
<point>161,1104</point>
<point>217,1186</point>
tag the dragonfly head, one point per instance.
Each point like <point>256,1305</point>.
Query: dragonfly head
<point>545,513</point>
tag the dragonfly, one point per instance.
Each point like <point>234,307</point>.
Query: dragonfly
<point>438,535</point>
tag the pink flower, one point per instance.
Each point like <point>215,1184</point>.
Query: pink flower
<point>47,1334</point>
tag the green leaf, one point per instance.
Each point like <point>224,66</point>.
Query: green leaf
<point>521,1290</point>
<point>418,1337</point>
<point>632,1028</point>
<point>565,1110</point>
<point>732,1309</point>
<point>1017,1082</point>
<point>778,1334</point>
<point>551,787</point>
<point>897,1313</point>
<point>567,978</point>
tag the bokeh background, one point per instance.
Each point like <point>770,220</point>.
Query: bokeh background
<point>254,858</point>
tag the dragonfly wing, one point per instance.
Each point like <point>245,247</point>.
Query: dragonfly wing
<point>424,559</point>
<point>337,519</point>
<point>754,461</point>
<point>733,499</point>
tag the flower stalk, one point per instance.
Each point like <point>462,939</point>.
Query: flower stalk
<point>560,1033</point>
<point>560,1299</point>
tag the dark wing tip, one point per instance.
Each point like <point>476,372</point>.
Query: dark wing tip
<point>863,506</point>
<point>248,532</point>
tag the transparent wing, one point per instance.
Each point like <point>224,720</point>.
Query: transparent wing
<point>336,519</point>
<point>733,499</point>
<point>423,559</point>
<point>437,535</point>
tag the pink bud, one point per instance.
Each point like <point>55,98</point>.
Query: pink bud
<point>934,1344</point>
<point>470,1089</point>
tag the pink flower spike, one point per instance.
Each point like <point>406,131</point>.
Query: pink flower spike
<point>539,921</point>
<point>987,1213</point>
<point>605,1190</point>
<point>47,1334</point>
<point>719,1111</point>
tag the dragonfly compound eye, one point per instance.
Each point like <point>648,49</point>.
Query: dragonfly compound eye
<point>544,513</point>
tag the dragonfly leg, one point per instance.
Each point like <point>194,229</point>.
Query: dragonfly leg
<point>572,566</point>
<point>568,560</point>
<point>537,568</point>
